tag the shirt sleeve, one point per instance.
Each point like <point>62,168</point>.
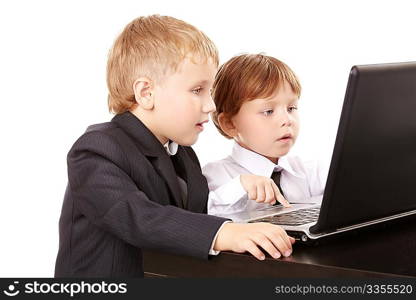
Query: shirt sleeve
<point>226,195</point>
<point>228,198</point>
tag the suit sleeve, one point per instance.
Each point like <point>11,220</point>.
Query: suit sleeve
<point>104,192</point>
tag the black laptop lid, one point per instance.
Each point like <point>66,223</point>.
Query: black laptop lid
<point>373,167</point>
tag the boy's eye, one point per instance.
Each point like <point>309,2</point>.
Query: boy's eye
<point>268,112</point>
<point>292,108</point>
<point>197,90</point>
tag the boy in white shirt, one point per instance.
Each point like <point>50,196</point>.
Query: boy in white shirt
<point>256,98</point>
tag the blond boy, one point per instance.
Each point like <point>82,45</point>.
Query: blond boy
<point>135,183</point>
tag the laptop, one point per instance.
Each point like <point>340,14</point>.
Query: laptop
<point>372,175</point>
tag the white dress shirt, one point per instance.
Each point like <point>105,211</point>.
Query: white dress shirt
<point>172,148</point>
<point>301,182</point>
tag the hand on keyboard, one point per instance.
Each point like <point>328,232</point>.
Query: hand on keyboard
<point>250,237</point>
<point>262,189</point>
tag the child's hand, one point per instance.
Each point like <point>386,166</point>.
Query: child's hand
<point>262,189</point>
<point>248,237</point>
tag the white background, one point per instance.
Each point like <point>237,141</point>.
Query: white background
<point>52,84</point>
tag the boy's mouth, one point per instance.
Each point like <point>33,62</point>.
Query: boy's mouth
<point>201,124</point>
<point>285,138</point>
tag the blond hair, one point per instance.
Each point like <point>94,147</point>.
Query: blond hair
<point>247,77</point>
<point>151,47</point>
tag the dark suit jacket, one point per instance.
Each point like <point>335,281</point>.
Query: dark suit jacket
<point>123,195</point>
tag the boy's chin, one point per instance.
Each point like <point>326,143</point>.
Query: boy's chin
<point>276,154</point>
<point>189,141</point>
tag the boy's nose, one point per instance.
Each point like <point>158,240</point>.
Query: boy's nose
<point>285,120</point>
<point>209,105</point>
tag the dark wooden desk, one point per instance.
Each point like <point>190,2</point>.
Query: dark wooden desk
<point>388,250</point>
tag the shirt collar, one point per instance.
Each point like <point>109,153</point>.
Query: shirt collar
<point>258,164</point>
<point>171,148</point>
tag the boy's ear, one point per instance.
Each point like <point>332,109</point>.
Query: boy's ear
<point>227,125</point>
<point>143,88</point>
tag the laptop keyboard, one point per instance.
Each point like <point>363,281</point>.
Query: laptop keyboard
<point>294,218</point>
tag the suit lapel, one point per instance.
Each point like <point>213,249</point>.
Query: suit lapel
<point>196,182</point>
<point>150,146</point>
<point>164,167</point>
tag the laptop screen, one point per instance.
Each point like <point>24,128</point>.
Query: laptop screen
<point>373,167</point>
